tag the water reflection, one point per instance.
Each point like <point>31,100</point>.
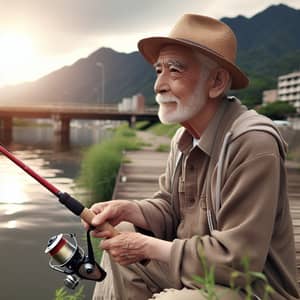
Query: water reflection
<point>11,224</point>
<point>30,214</point>
<point>11,209</point>
<point>12,184</point>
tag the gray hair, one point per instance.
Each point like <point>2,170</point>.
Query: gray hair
<point>207,65</point>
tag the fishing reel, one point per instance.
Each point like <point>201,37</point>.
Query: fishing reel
<point>71,259</point>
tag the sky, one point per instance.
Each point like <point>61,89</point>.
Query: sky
<point>38,37</point>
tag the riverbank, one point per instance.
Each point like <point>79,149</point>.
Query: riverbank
<point>139,172</point>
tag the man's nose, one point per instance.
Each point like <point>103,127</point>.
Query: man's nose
<point>161,84</point>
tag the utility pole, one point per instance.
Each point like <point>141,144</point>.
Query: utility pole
<point>101,66</point>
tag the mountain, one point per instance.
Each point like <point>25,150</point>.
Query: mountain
<point>123,75</point>
<point>269,45</point>
<point>273,29</point>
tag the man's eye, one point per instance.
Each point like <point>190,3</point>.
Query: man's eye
<point>174,70</point>
<point>158,71</point>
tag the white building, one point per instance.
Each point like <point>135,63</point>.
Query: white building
<point>134,104</point>
<point>270,96</point>
<point>288,89</point>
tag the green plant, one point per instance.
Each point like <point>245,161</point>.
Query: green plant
<point>278,110</point>
<point>163,148</point>
<point>63,294</point>
<point>165,130</point>
<point>141,125</point>
<point>208,282</point>
<point>250,277</point>
<point>101,163</point>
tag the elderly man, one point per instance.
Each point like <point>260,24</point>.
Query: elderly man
<point>223,195</point>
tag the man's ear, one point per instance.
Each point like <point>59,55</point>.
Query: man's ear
<point>218,82</point>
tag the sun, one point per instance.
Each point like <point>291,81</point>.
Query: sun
<point>16,56</point>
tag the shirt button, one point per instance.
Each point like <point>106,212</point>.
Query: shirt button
<point>191,201</point>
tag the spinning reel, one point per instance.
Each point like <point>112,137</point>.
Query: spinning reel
<point>71,259</point>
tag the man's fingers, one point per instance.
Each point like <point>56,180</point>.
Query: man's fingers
<point>98,207</point>
<point>99,219</point>
<point>85,224</point>
<point>102,234</point>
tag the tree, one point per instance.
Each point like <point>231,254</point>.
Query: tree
<point>277,110</point>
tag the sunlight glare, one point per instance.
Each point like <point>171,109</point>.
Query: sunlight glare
<point>16,56</point>
<point>11,224</point>
<point>12,190</point>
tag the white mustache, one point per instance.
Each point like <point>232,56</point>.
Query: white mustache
<point>162,99</point>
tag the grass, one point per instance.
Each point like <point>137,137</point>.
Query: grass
<point>165,130</point>
<point>163,148</point>
<point>140,125</point>
<point>101,163</point>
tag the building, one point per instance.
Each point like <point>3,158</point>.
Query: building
<point>288,89</point>
<point>134,104</point>
<point>138,103</point>
<point>270,96</point>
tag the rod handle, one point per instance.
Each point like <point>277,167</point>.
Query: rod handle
<point>87,215</point>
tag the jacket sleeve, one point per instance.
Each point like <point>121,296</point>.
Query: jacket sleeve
<point>250,195</point>
<point>158,211</point>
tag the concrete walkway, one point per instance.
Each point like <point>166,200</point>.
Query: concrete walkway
<point>138,176</point>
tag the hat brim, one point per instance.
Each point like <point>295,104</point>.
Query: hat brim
<point>150,48</point>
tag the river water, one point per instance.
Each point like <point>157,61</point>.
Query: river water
<point>30,214</point>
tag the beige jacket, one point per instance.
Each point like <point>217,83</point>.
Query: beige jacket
<point>239,209</point>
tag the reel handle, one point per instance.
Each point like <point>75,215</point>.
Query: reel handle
<point>87,215</point>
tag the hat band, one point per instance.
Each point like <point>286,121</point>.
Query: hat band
<point>203,47</point>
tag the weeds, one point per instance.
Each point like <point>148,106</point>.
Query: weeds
<point>101,163</point>
<point>250,277</point>
<point>208,283</point>
<point>166,130</point>
<point>63,294</point>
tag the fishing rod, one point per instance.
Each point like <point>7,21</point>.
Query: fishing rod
<point>63,248</point>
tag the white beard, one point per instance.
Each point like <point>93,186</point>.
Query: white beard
<point>172,110</point>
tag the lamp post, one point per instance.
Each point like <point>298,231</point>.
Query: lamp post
<point>101,66</point>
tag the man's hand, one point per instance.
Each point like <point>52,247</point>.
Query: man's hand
<point>127,247</point>
<point>114,212</point>
<point>132,247</point>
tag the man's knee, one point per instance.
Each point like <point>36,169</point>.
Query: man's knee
<point>173,294</point>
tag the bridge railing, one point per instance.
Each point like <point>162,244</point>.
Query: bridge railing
<point>74,107</point>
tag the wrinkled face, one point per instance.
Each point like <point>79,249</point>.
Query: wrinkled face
<point>180,87</point>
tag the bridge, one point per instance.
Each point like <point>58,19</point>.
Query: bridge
<point>63,115</point>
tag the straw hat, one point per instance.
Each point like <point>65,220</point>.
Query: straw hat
<point>207,35</point>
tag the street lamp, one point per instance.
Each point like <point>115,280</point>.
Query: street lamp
<point>101,65</point>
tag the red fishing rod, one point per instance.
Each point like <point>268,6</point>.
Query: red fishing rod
<point>63,248</point>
